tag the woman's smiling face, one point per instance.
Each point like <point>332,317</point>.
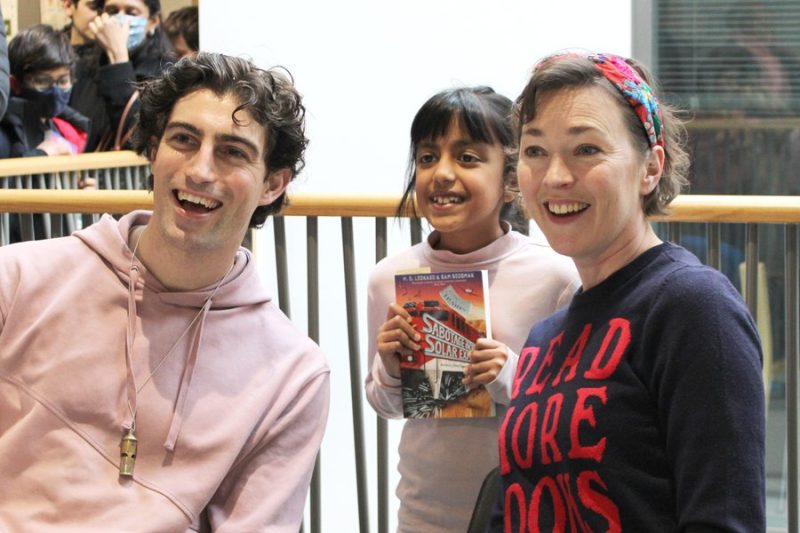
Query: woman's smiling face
<point>582,177</point>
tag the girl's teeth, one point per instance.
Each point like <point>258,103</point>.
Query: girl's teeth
<point>442,200</point>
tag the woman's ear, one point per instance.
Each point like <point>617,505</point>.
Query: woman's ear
<point>653,168</point>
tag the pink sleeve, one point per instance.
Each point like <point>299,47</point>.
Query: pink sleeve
<point>382,390</point>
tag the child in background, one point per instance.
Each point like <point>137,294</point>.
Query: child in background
<point>181,28</point>
<point>38,120</point>
<point>463,176</point>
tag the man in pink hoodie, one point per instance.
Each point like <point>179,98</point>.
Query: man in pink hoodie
<point>147,380</point>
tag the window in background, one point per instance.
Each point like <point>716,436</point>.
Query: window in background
<point>734,65</point>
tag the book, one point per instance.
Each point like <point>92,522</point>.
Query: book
<point>450,311</point>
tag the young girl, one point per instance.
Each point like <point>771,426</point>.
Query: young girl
<point>463,178</point>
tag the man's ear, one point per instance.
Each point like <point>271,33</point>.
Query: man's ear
<point>274,185</point>
<point>653,168</point>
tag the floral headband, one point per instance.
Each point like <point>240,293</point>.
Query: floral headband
<point>636,91</point>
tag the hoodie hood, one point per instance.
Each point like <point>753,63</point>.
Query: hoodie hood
<point>109,239</point>
<point>238,288</point>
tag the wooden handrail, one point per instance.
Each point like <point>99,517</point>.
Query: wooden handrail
<point>729,208</point>
<point>685,208</point>
<point>65,163</point>
<point>743,123</point>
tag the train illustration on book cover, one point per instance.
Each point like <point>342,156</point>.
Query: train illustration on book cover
<point>449,311</point>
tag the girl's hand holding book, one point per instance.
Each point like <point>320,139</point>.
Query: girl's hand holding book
<point>487,359</point>
<point>396,337</point>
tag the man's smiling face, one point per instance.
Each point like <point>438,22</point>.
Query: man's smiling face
<point>209,173</point>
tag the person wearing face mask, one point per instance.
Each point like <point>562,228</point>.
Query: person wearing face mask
<point>38,120</point>
<point>129,47</point>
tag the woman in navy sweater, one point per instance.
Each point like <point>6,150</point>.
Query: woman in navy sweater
<point>640,406</point>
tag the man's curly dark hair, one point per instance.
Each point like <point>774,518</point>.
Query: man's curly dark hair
<point>269,96</point>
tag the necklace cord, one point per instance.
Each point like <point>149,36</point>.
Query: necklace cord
<point>132,390</point>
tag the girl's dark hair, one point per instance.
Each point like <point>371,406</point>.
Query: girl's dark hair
<point>37,48</point>
<point>557,73</point>
<point>484,116</point>
<point>268,96</point>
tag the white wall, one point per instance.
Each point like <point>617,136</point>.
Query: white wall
<point>364,68</point>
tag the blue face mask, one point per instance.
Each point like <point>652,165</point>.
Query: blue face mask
<point>137,28</point>
<point>48,103</point>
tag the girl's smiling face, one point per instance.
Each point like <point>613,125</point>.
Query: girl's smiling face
<point>459,189</point>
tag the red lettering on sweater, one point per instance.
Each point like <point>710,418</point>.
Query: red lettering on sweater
<point>573,512</point>
<point>620,329</point>
<point>515,491</point>
<point>563,426</point>
<point>524,365</point>
<point>559,516</point>
<point>598,502</point>
<point>549,427</point>
<point>585,413</point>
<point>574,356</point>
<point>526,461</point>
<point>540,381</point>
<point>505,466</point>
<point>555,501</point>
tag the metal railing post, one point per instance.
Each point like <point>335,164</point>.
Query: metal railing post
<point>383,426</point>
<point>312,285</point>
<point>792,305</point>
<point>751,269</point>
<point>281,264</point>
<point>356,383</point>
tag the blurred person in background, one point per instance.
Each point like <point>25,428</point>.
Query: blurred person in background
<point>38,120</point>
<point>181,28</point>
<point>119,42</point>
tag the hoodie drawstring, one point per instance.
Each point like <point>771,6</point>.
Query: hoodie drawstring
<point>188,371</point>
<point>186,380</point>
<point>130,418</point>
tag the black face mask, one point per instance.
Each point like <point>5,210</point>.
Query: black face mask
<point>48,103</point>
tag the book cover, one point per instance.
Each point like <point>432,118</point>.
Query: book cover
<point>450,311</point>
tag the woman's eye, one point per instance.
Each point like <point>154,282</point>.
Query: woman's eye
<point>533,151</point>
<point>469,158</point>
<point>425,159</point>
<point>587,149</point>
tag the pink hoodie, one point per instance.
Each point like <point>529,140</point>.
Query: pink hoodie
<point>228,426</point>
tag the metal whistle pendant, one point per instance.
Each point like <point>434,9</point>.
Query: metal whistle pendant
<point>127,454</point>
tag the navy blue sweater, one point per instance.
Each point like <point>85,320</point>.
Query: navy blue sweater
<point>640,407</point>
